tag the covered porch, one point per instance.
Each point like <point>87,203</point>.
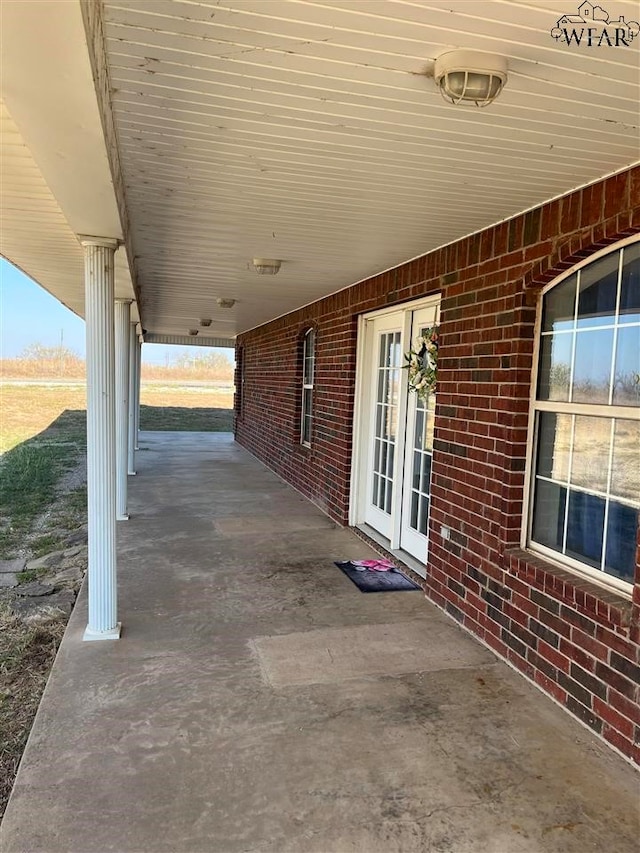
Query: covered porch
<point>262,703</point>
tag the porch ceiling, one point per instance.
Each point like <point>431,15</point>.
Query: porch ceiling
<point>309,131</point>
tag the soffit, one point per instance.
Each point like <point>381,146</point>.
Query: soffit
<point>34,233</point>
<point>56,181</point>
<point>308,131</point>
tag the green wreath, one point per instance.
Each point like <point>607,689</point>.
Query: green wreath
<point>422,364</point>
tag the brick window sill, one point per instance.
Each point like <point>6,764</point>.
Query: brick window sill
<point>605,607</point>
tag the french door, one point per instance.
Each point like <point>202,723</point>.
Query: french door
<point>395,443</point>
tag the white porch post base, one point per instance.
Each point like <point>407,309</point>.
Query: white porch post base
<point>101,451</point>
<point>91,636</point>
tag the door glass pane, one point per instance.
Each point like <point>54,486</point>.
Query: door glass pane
<point>376,455</point>
<point>381,381</point>
<point>592,371</point>
<point>420,474</point>
<point>598,291</point>
<point>416,470</point>
<point>390,457</point>
<point>387,505</point>
<point>392,421</point>
<point>419,430</point>
<point>387,385</point>
<point>382,359</point>
<point>630,286</point>
<point>555,367</point>
<point>626,382</point>
<point>428,437</point>
<point>423,520</point>
<point>426,472</point>
<point>625,476</point>
<point>415,499</point>
<point>379,415</point>
<point>590,460</point>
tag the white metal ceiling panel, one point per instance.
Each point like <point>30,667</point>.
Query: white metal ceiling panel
<point>297,129</point>
<point>310,131</point>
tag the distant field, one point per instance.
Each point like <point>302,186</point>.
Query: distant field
<point>212,368</point>
<point>28,409</point>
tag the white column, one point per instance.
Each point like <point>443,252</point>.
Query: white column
<point>122,323</point>
<point>138,375</point>
<point>131,440</point>
<point>101,470</point>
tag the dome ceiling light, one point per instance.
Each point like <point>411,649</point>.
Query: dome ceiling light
<point>225,303</point>
<point>266,266</point>
<point>470,77</point>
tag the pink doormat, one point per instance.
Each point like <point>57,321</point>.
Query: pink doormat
<point>376,576</point>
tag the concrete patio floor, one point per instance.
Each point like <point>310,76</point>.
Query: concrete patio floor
<point>257,701</point>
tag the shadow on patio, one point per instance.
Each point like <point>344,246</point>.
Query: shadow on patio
<point>257,701</point>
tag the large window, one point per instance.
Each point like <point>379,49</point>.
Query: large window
<point>586,473</point>
<point>308,366</point>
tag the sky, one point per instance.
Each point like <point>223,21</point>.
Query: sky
<point>30,315</point>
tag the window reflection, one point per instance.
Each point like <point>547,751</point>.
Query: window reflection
<point>554,441</point>
<point>598,291</point>
<point>585,527</point>
<point>626,388</point>
<point>625,474</point>
<point>592,370</point>
<point>630,287</point>
<point>555,367</point>
<point>587,475</point>
<point>621,541</point>
<point>590,458</point>
<point>548,514</point>
<point>559,306</point>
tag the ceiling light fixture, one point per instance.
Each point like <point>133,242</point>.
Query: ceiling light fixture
<point>193,332</point>
<point>225,303</point>
<point>266,266</point>
<point>470,77</point>
<point>205,322</point>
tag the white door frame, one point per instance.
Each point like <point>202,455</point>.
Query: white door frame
<point>362,401</point>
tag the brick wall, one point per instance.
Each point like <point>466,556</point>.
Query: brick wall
<point>578,642</point>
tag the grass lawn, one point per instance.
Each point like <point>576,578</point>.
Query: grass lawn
<point>26,410</point>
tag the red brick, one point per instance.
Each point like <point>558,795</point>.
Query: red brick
<point>613,718</point>
<point>482,419</point>
<point>626,706</point>
<point>554,657</point>
<point>615,192</point>
<point>622,743</point>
